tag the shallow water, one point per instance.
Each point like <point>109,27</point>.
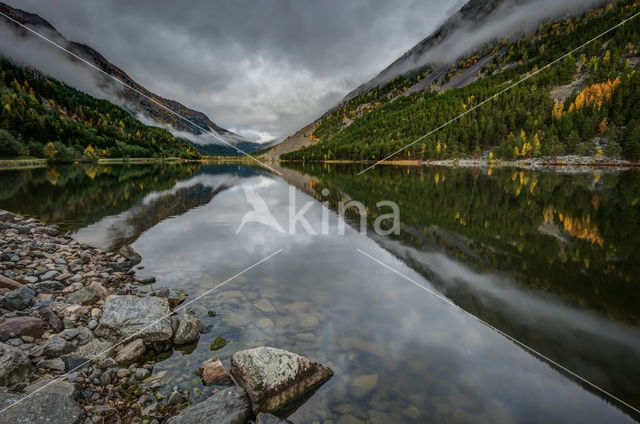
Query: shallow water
<point>547,258</point>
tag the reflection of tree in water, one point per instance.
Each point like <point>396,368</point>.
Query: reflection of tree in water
<point>77,196</point>
<point>520,237</point>
<point>146,215</point>
<point>572,235</point>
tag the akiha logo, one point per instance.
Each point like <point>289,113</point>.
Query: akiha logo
<point>296,217</point>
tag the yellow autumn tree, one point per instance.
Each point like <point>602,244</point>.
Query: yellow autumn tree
<point>50,150</point>
<point>595,94</point>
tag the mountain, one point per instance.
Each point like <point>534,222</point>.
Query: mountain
<point>149,111</point>
<point>477,53</point>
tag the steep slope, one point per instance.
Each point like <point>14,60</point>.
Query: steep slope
<point>139,105</point>
<point>598,106</point>
<point>43,117</point>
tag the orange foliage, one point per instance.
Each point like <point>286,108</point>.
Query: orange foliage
<point>595,94</point>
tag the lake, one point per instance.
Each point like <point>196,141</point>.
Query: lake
<point>548,258</point>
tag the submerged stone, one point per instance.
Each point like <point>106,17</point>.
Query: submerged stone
<point>218,343</point>
<point>274,377</point>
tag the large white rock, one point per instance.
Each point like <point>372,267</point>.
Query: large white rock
<point>144,318</point>
<point>274,377</point>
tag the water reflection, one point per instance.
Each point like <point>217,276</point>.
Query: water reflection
<point>400,355</point>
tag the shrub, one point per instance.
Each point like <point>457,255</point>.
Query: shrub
<point>9,146</point>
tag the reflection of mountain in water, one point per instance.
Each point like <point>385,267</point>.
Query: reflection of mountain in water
<point>557,282</point>
<point>144,216</point>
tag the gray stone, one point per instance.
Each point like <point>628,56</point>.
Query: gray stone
<point>131,353</point>
<point>274,377</point>
<point>14,365</point>
<point>41,407</point>
<point>128,253</point>
<point>19,299</point>
<point>263,418</point>
<point>22,326</point>
<point>84,296</point>
<point>54,347</point>
<point>75,363</point>
<point>176,398</point>
<point>142,373</point>
<point>144,317</point>
<point>189,327</point>
<point>50,286</point>
<point>230,406</point>
<point>49,275</point>
<point>48,385</point>
<point>55,364</point>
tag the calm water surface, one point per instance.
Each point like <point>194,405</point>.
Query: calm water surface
<point>549,258</point>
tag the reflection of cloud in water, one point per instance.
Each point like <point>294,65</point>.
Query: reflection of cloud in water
<point>369,321</point>
<point>601,350</point>
<point>113,231</point>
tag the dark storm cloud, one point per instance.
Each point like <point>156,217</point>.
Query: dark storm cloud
<point>263,68</point>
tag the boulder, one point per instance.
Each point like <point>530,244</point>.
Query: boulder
<point>274,377</point>
<point>84,296</point>
<point>128,253</point>
<point>22,326</point>
<point>18,299</point>
<point>131,352</point>
<point>145,317</point>
<point>230,406</point>
<point>40,407</point>
<point>263,418</point>
<point>14,365</point>
<point>189,327</point>
<point>213,371</point>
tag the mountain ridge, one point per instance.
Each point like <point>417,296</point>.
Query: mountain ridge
<point>134,102</point>
<point>387,117</point>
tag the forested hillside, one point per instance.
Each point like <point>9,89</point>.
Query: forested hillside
<point>587,104</point>
<point>43,117</point>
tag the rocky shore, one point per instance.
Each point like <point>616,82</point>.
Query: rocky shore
<point>75,329</point>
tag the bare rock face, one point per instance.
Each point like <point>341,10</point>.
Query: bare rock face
<point>229,406</point>
<point>14,365</point>
<point>274,377</point>
<point>143,317</point>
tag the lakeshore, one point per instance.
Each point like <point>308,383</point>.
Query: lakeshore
<point>78,335</point>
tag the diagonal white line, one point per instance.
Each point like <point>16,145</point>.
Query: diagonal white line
<point>137,91</point>
<point>100,355</point>
<point>530,349</point>
<point>487,100</point>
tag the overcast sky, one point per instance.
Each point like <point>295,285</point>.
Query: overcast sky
<point>260,68</point>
